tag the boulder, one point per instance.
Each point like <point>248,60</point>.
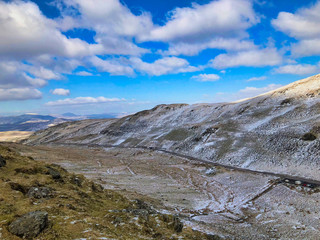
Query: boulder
<point>55,174</point>
<point>2,162</point>
<point>29,225</point>
<point>39,192</point>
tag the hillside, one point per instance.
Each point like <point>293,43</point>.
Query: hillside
<point>44,201</point>
<point>277,131</point>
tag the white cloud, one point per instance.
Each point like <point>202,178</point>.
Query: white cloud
<point>61,92</point>
<point>206,77</point>
<point>298,69</point>
<point>224,18</point>
<point>250,58</point>
<point>19,94</point>
<point>12,75</point>
<point>114,24</point>
<point>254,91</point>
<point>83,100</point>
<point>304,26</point>
<point>192,49</point>
<point>84,73</point>
<point>247,92</point>
<point>306,47</point>
<point>26,32</point>
<point>42,72</point>
<point>113,66</point>
<point>111,17</point>
<point>166,65</point>
<point>257,79</point>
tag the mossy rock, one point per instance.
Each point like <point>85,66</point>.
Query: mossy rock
<point>309,137</point>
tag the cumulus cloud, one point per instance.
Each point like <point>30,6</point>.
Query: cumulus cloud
<point>254,91</point>
<point>114,24</point>
<point>19,94</point>
<point>225,18</point>
<point>256,79</point>
<point>298,69</point>
<point>26,32</point>
<point>12,75</point>
<point>113,66</point>
<point>84,100</point>
<point>84,74</point>
<point>206,77</point>
<point>250,58</point>
<point>166,65</point>
<point>304,26</point>
<point>306,47</point>
<point>192,49</point>
<point>109,16</point>
<point>61,92</point>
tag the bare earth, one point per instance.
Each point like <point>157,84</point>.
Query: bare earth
<point>232,204</point>
<point>14,136</point>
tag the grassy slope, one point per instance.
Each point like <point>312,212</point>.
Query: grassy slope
<point>79,207</point>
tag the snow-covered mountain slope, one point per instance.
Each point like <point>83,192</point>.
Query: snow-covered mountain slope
<point>277,131</point>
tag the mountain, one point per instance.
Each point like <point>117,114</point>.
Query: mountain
<point>276,131</point>
<point>28,122</point>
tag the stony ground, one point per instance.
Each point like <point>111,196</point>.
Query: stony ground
<point>41,200</point>
<point>231,204</point>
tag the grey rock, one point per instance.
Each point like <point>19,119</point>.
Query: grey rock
<point>2,161</point>
<point>40,192</point>
<point>29,225</point>
<point>54,173</point>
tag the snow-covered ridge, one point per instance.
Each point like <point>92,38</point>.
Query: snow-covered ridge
<point>267,132</point>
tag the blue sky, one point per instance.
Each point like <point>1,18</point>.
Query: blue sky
<point>111,56</point>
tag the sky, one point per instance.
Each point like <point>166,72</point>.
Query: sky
<point>112,56</point>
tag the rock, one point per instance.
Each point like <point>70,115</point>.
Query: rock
<point>173,222</point>
<point>96,187</point>
<point>29,225</point>
<point>18,187</point>
<point>2,161</point>
<point>309,137</point>
<point>211,171</point>
<point>39,192</point>
<point>54,173</point>
<point>77,181</point>
<point>139,204</point>
<point>177,224</point>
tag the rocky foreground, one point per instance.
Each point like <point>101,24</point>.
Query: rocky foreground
<point>43,201</point>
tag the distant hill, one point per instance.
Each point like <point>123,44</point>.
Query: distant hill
<point>28,122</point>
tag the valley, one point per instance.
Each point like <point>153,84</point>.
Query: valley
<point>229,203</point>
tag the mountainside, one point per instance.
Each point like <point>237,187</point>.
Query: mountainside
<point>28,122</point>
<point>276,131</point>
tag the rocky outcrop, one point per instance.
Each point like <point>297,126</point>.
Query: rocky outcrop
<point>29,225</point>
<point>40,192</point>
<point>2,162</point>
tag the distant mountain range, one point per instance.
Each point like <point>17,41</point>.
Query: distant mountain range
<point>28,122</point>
<point>34,122</point>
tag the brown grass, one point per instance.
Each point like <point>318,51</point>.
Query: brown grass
<point>14,136</point>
